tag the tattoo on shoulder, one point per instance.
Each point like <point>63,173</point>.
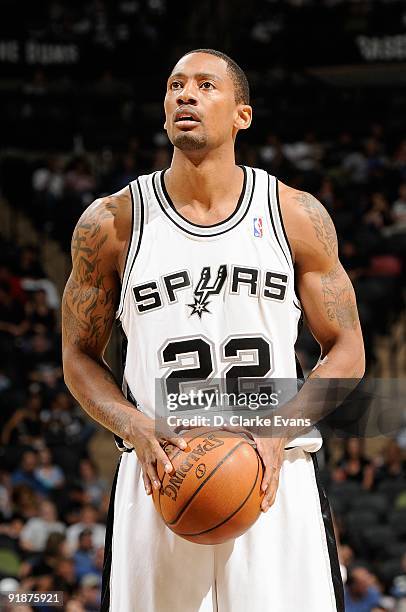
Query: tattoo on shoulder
<point>92,298</point>
<point>321,221</point>
<point>338,298</point>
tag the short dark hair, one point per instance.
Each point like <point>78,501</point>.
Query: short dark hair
<point>241,86</point>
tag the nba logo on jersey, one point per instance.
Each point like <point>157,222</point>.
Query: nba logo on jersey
<point>258,227</point>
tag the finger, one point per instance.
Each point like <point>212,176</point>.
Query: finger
<point>270,494</point>
<point>268,475</point>
<point>238,429</point>
<point>178,441</point>
<point>147,483</point>
<point>153,474</point>
<point>163,458</point>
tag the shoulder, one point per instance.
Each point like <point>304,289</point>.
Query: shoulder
<point>308,225</point>
<point>105,226</point>
<point>109,211</point>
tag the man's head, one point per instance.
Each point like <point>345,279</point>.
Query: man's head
<point>206,102</point>
<point>29,461</point>
<point>359,581</point>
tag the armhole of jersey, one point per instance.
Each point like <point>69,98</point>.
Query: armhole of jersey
<point>137,226</point>
<point>278,226</point>
<point>125,389</point>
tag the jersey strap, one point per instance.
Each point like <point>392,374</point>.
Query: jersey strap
<point>278,227</point>
<point>137,226</point>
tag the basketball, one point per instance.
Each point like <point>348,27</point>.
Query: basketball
<point>214,493</point>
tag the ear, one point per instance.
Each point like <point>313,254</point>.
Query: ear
<point>243,117</point>
<point>165,125</point>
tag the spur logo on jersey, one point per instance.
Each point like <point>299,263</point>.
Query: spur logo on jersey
<point>257,227</point>
<point>243,280</point>
<point>204,289</point>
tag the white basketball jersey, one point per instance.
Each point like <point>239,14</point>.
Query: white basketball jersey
<point>207,302</point>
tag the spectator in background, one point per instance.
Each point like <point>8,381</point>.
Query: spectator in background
<point>29,265</point>
<point>398,588</point>
<point>24,426</point>
<point>48,184</point>
<point>354,466</point>
<point>25,473</point>
<point>392,466</point>
<point>5,495</point>
<point>45,563</point>
<point>13,321</point>
<point>80,180</point>
<point>25,501</point>
<point>399,210</point>
<point>90,592</point>
<point>47,472</point>
<point>94,486</point>
<point>83,557</point>
<point>399,160</point>
<point>361,592</point>
<point>66,432</point>
<point>41,318</point>
<point>12,282</point>
<point>89,521</point>
<point>36,531</point>
<point>33,277</point>
<point>64,576</point>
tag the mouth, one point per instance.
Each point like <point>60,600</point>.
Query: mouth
<point>186,119</point>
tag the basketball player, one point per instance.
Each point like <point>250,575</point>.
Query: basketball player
<point>215,262</point>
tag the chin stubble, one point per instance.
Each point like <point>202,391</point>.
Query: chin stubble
<point>189,142</point>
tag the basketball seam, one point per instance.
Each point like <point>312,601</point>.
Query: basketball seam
<point>232,514</point>
<point>182,510</point>
<point>199,435</point>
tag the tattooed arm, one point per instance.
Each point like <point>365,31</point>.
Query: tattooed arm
<point>88,308</point>
<point>329,305</point>
<point>325,291</point>
<point>89,303</point>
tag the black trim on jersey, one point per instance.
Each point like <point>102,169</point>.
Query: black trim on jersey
<point>128,395</point>
<point>105,595</point>
<point>331,540</point>
<point>171,204</point>
<point>141,230</point>
<point>241,198</point>
<point>281,219</point>
<point>132,228</point>
<point>124,342</point>
<point>273,222</point>
<point>299,369</point>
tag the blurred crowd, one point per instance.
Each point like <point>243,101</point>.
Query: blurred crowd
<point>368,497</point>
<point>53,503</point>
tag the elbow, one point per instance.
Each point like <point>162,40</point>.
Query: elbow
<point>70,363</point>
<point>356,358</point>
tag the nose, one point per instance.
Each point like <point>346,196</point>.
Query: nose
<point>187,95</point>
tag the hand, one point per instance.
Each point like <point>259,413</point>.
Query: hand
<point>147,441</point>
<point>271,452</point>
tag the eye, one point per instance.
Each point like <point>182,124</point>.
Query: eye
<point>175,85</point>
<point>207,85</point>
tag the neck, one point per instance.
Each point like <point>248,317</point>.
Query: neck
<point>203,179</point>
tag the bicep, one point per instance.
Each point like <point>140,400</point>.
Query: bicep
<point>91,293</point>
<point>329,303</point>
<point>325,290</point>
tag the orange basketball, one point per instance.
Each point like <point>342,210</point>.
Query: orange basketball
<point>214,492</point>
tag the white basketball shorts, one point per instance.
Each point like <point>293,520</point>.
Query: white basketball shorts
<point>286,562</point>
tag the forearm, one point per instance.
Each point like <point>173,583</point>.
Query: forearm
<point>94,387</point>
<point>335,376</point>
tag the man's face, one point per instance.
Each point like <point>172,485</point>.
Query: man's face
<point>200,107</point>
